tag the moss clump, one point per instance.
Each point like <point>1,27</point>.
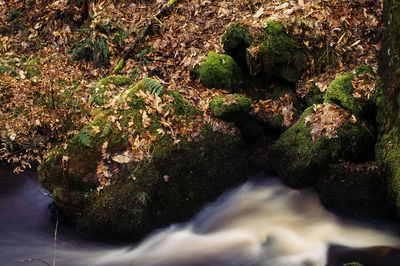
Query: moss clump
<point>276,54</point>
<point>229,106</point>
<point>339,92</point>
<point>219,72</point>
<point>387,152</point>
<point>152,180</point>
<point>299,160</point>
<point>365,69</point>
<point>236,40</point>
<point>353,190</point>
<point>99,91</point>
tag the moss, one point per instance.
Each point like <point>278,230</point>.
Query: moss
<point>236,40</point>
<point>387,152</point>
<point>170,185</point>
<point>339,92</point>
<point>353,264</point>
<point>183,107</point>
<point>240,104</point>
<point>365,69</point>
<point>219,72</point>
<point>299,161</point>
<point>98,92</point>
<point>119,66</point>
<point>276,54</point>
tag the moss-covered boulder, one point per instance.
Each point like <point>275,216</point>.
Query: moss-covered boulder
<point>219,72</point>
<point>387,149</point>
<point>102,91</point>
<point>275,54</point>
<point>146,161</point>
<point>355,190</point>
<point>353,92</point>
<point>231,107</point>
<point>236,40</point>
<point>324,134</point>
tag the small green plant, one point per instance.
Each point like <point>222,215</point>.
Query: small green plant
<point>154,86</point>
<point>84,137</point>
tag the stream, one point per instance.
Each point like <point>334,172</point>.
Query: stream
<point>260,222</point>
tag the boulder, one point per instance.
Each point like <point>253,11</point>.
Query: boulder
<point>355,190</point>
<point>144,162</point>
<point>219,72</point>
<point>324,134</point>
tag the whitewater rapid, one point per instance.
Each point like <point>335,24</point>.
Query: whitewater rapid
<point>261,222</point>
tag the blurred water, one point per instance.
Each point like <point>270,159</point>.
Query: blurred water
<point>259,223</point>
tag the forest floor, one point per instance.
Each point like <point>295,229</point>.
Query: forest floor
<point>37,42</point>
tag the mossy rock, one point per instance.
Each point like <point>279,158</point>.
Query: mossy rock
<point>387,152</point>
<point>152,185</point>
<point>354,190</point>
<point>340,92</point>
<point>236,40</point>
<point>98,92</point>
<point>219,72</point>
<point>231,107</point>
<point>276,54</point>
<point>298,160</point>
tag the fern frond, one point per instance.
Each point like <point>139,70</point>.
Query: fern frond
<point>84,137</point>
<point>154,86</point>
<point>105,130</point>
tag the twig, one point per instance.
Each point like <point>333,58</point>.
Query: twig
<point>55,244</point>
<point>34,259</point>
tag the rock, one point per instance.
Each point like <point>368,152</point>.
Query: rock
<point>355,190</point>
<point>387,149</point>
<point>369,256</point>
<point>276,54</point>
<point>321,136</point>
<point>353,92</point>
<point>231,107</point>
<point>219,72</point>
<point>143,163</point>
<point>99,92</point>
<point>236,40</point>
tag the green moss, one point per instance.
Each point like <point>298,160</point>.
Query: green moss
<point>31,70</point>
<point>236,40</point>
<point>339,92</point>
<point>387,152</point>
<point>242,104</point>
<point>170,185</point>
<point>119,66</point>
<point>278,54</point>
<point>183,107</point>
<point>365,69</point>
<point>219,72</point>
<point>352,264</point>
<point>299,161</point>
<point>103,86</point>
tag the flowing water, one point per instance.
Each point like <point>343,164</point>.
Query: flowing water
<point>259,223</point>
